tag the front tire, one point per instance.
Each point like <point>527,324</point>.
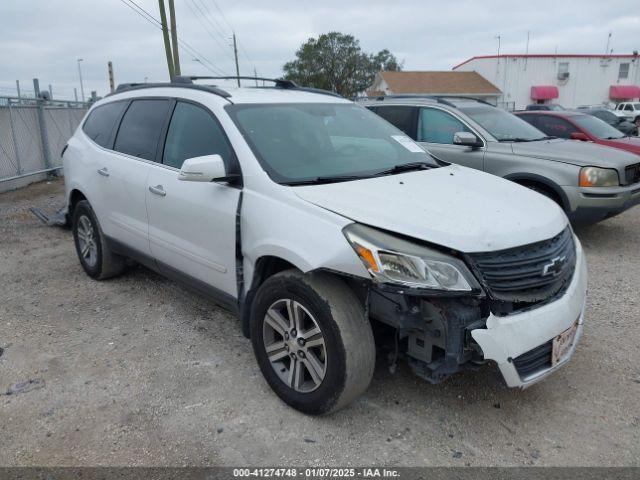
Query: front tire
<point>95,256</point>
<point>312,341</point>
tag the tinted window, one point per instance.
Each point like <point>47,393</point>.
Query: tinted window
<point>628,106</point>
<point>597,127</point>
<point>605,115</point>
<point>437,126</point>
<point>99,125</point>
<point>504,126</point>
<point>141,127</point>
<point>555,127</point>
<point>193,133</point>
<point>401,117</point>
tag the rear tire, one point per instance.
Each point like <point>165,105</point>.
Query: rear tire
<point>328,375</point>
<point>95,256</point>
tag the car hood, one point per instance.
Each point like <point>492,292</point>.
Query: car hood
<point>576,153</point>
<point>630,144</point>
<point>451,206</point>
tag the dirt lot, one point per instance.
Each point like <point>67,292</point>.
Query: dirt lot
<point>139,371</point>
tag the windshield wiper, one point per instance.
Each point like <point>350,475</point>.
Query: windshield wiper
<point>325,179</point>
<point>405,167</point>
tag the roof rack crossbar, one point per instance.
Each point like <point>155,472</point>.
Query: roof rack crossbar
<point>279,82</point>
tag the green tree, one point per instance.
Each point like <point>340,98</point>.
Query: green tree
<point>334,61</point>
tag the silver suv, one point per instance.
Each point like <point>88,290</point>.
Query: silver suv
<point>590,182</point>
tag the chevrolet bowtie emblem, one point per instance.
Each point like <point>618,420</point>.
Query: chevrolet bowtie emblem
<point>554,267</point>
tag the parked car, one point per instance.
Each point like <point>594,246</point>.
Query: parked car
<point>312,218</point>
<point>606,115</point>
<point>590,182</point>
<point>545,107</point>
<point>581,126</point>
<point>631,111</point>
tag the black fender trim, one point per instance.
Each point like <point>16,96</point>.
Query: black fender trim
<point>553,186</point>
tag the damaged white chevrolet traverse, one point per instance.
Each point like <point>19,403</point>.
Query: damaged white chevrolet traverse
<point>318,223</point>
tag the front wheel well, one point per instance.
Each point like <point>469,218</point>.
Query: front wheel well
<point>74,197</point>
<point>266,267</point>
<point>542,189</point>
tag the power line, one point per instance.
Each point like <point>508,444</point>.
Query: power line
<point>224,18</point>
<point>221,45</point>
<point>156,23</point>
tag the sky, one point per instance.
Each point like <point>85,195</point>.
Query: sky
<point>45,38</point>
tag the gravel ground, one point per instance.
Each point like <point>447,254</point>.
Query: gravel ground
<point>139,371</point>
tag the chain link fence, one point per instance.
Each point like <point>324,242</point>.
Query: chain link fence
<point>33,133</point>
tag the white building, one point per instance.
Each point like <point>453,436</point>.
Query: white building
<point>570,80</point>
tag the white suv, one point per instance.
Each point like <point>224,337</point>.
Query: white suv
<point>318,223</point>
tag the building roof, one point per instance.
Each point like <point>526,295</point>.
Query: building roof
<point>439,83</point>
<point>547,55</point>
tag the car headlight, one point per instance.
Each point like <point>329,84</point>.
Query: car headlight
<point>598,177</point>
<point>390,259</point>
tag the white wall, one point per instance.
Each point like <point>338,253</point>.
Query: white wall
<point>588,83</point>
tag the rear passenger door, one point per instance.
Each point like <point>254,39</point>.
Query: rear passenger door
<point>124,172</point>
<point>436,128</point>
<point>192,225</point>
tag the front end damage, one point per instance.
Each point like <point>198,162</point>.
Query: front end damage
<point>442,334</point>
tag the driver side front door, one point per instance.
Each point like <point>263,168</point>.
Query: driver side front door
<point>436,128</point>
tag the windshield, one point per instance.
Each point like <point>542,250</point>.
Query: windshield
<point>504,126</point>
<point>307,142</point>
<point>597,127</point>
<point>606,115</point>
<point>556,108</point>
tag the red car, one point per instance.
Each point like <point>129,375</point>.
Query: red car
<point>580,126</point>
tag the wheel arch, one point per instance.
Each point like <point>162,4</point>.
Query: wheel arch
<point>532,179</point>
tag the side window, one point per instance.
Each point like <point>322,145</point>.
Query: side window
<point>141,127</point>
<point>101,121</point>
<point>530,119</point>
<point>193,132</point>
<point>437,126</point>
<point>403,118</point>
<point>628,107</point>
<point>555,127</point>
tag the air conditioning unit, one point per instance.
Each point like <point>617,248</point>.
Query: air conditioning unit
<point>563,76</point>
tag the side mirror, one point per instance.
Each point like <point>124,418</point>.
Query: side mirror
<point>203,169</point>
<point>579,136</point>
<point>467,139</point>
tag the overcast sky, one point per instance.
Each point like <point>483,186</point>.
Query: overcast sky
<point>44,38</point>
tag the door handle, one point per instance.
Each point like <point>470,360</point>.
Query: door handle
<point>104,171</point>
<point>158,190</point>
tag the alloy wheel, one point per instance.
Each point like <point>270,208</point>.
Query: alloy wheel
<point>295,345</point>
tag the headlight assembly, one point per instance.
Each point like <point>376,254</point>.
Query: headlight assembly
<point>599,177</point>
<point>394,260</point>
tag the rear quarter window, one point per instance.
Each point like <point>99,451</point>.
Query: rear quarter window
<point>100,124</point>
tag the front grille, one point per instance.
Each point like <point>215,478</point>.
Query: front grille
<point>534,360</point>
<point>529,274</point>
<point>632,174</point>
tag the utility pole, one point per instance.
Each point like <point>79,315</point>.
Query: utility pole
<point>50,92</point>
<point>18,88</point>
<point>165,36</point>
<point>174,39</point>
<point>606,50</point>
<point>255,74</point>
<point>75,93</point>
<point>80,75</point>
<point>235,53</point>
<point>112,82</point>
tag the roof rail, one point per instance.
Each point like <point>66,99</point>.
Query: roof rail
<point>279,83</point>
<point>125,87</point>
<point>437,98</point>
